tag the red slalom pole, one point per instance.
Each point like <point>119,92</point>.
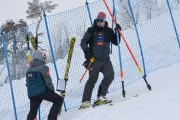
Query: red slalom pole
<point>85,72</point>
<point>91,61</point>
<point>122,36</point>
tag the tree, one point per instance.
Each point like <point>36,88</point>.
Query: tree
<point>61,38</point>
<point>15,39</point>
<point>1,55</point>
<point>149,6</point>
<point>36,8</point>
<point>124,14</point>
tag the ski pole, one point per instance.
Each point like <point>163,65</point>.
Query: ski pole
<point>139,68</point>
<point>91,61</point>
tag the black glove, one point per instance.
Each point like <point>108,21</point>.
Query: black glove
<point>88,55</point>
<point>86,63</point>
<point>118,26</point>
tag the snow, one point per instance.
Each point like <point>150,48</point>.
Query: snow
<point>160,50</point>
<point>161,103</point>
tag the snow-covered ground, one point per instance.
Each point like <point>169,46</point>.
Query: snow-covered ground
<point>161,103</point>
<point>160,50</point>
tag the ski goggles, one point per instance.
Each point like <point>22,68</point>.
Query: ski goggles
<point>99,20</point>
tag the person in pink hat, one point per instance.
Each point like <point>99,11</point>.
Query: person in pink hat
<point>96,44</point>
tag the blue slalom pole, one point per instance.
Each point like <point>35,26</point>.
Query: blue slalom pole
<point>89,13</point>
<point>9,73</point>
<point>119,51</point>
<point>172,18</point>
<point>144,68</point>
<point>49,38</point>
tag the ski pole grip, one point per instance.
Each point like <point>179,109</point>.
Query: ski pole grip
<point>92,59</point>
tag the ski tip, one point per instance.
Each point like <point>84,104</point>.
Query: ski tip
<point>73,38</point>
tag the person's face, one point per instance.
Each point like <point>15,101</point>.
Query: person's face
<point>100,22</point>
<point>43,54</point>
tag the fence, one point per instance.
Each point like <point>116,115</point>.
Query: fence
<point>152,32</point>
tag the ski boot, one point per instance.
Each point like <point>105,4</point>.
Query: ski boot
<point>85,105</point>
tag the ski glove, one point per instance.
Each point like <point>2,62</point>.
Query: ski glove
<point>116,30</point>
<point>86,63</point>
<point>88,55</point>
<point>118,26</point>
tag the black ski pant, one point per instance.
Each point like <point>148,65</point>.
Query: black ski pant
<point>49,95</point>
<point>98,66</point>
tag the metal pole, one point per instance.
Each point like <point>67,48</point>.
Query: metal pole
<point>133,19</point>
<point>9,73</point>
<point>49,38</point>
<point>119,49</point>
<point>90,18</point>
<point>172,18</point>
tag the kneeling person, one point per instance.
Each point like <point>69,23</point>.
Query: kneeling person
<point>40,87</point>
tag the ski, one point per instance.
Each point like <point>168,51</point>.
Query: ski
<point>29,53</point>
<point>33,43</point>
<point>95,104</point>
<point>70,51</point>
<point>62,82</point>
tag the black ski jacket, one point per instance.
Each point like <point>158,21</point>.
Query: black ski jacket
<point>96,41</point>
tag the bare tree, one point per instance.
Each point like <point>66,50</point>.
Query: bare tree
<point>61,40</point>
<point>1,71</point>
<point>1,55</point>
<point>36,8</point>
<point>124,14</point>
<point>149,6</point>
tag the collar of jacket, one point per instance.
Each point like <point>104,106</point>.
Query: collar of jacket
<point>35,63</point>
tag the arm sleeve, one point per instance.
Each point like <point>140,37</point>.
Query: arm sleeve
<point>114,40</point>
<point>47,77</point>
<point>85,41</point>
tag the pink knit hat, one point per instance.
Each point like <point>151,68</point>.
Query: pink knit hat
<point>101,15</point>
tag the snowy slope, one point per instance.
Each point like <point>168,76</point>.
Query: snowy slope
<point>160,50</point>
<point>162,103</point>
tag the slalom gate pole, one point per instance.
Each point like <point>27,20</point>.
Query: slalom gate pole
<point>139,68</point>
<point>119,51</point>
<point>144,67</point>
<point>89,13</point>
<point>172,18</point>
<point>49,38</point>
<point>9,73</point>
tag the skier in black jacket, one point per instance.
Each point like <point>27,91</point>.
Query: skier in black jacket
<point>96,45</point>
